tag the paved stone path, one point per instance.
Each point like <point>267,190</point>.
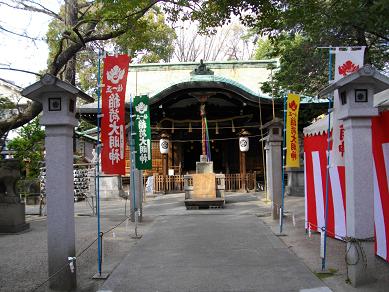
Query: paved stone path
<point>210,250</point>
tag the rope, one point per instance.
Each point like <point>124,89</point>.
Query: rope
<point>79,254</point>
<point>352,242</point>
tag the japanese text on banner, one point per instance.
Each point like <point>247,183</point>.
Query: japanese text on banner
<point>292,140</point>
<point>113,121</point>
<point>143,132</point>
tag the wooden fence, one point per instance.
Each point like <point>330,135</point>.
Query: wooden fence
<point>175,183</point>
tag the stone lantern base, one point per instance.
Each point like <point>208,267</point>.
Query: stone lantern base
<point>295,185</point>
<point>12,211</point>
<point>12,218</point>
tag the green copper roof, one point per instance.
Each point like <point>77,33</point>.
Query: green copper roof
<point>196,79</point>
<point>210,65</point>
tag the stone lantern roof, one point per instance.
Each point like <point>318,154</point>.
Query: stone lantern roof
<point>366,73</point>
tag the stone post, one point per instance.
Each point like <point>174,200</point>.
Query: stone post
<point>58,100</point>
<point>356,110</point>
<point>273,149</point>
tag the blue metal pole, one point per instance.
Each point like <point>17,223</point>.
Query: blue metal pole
<point>283,165</point>
<point>132,145</point>
<point>98,165</point>
<point>323,260</point>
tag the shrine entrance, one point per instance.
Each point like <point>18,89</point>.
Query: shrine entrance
<point>187,98</point>
<point>227,109</point>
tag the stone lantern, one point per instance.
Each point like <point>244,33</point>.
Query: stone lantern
<point>355,93</point>
<point>58,99</point>
<point>273,148</point>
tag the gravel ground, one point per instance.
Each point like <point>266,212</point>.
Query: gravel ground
<point>24,256</point>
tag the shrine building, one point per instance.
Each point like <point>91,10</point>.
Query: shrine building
<point>234,107</point>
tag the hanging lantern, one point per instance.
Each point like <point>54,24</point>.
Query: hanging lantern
<point>244,144</point>
<point>164,146</point>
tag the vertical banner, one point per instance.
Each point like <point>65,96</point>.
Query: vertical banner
<point>292,140</point>
<point>113,129</point>
<point>143,132</point>
<point>347,61</point>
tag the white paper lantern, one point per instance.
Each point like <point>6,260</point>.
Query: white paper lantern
<point>244,144</point>
<point>164,146</point>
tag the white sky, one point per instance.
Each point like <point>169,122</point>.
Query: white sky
<point>19,52</point>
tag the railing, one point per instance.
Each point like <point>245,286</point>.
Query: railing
<point>175,183</point>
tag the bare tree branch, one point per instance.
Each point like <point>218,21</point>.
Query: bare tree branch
<point>28,5</point>
<point>22,35</point>
<point>20,70</point>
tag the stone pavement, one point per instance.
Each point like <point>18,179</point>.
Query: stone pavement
<point>240,240</point>
<point>211,250</point>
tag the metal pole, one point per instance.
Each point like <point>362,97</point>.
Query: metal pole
<point>323,260</point>
<point>283,166</point>
<point>98,164</point>
<point>132,145</point>
<point>263,148</point>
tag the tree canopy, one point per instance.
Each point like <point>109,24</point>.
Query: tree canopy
<point>294,27</point>
<point>29,146</point>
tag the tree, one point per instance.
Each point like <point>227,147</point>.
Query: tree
<point>230,42</point>
<point>303,68</point>
<point>86,23</point>
<point>295,28</point>
<point>29,147</point>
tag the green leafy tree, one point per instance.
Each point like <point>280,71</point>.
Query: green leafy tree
<point>295,28</point>
<point>29,147</point>
<point>84,25</point>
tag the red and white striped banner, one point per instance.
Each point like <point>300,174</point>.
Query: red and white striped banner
<point>315,147</point>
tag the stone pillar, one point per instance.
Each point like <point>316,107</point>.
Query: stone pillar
<point>58,99</point>
<point>355,108</point>
<point>359,197</point>
<point>268,177</point>
<point>60,205</point>
<point>273,149</point>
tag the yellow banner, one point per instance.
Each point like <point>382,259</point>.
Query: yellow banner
<point>292,140</point>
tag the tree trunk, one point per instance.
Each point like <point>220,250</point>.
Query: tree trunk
<point>71,11</point>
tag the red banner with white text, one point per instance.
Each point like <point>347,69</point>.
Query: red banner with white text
<point>113,126</point>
